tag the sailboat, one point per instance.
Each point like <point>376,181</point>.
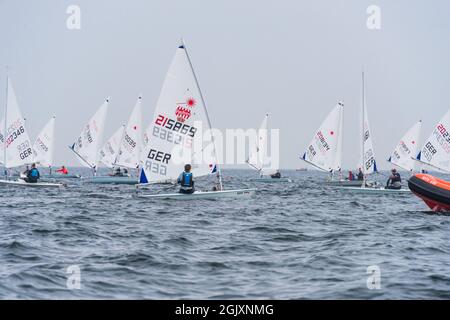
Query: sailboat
<point>405,151</point>
<point>17,147</point>
<point>435,153</point>
<point>180,117</point>
<point>324,152</point>
<point>87,144</point>
<point>123,150</point>
<point>43,146</point>
<point>368,162</point>
<point>43,151</point>
<point>108,153</point>
<point>258,154</point>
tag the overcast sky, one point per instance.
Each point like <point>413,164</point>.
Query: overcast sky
<point>293,59</point>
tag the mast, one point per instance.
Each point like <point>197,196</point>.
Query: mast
<point>266,141</point>
<point>363,132</point>
<point>6,120</point>
<point>340,138</point>
<point>219,173</point>
<point>53,144</point>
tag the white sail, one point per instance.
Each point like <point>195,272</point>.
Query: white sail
<point>87,144</point>
<point>258,152</point>
<point>405,151</point>
<point>43,146</point>
<point>18,145</point>
<point>436,149</point>
<point>110,150</point>
<point>337,164</point>
<point>179,128</point>
<point>324,150</point>
<point>129,155</point>
<point>257,149</point>
<point>369,164</point>
<point>2,142</point>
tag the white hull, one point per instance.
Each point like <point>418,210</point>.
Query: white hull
<point>22,183</point>
<point>271,180</point>
<point>202,195</point>
<point>111,180</point>
<point>369,190</point>
<point>344,183</point>
<point>60,176</point>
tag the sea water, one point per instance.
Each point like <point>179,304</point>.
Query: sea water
<point>290,241</point>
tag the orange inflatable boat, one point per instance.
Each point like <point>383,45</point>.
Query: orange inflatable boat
<point>433,191</point>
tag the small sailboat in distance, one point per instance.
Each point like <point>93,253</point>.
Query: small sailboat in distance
<point>126,155</point>
<point>43,151</point>
<point>180,116</point>
<point>324,152</point>
<point>44,144</point>
<point>108,153</point>
<point>87,144</point>
<point>405,151</point>
<point>258,157</point>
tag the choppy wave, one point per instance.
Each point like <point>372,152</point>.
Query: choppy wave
<point>290,241</point>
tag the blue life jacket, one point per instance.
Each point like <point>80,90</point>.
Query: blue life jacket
<point>34,173</point>
<point>186,180</point>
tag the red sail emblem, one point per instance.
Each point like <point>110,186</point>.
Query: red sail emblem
<point>183,111</point>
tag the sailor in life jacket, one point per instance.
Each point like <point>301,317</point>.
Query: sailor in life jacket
<point>394,181</point>
<point>186,180</point>
<point>32,174</point>
<point>63,170</point>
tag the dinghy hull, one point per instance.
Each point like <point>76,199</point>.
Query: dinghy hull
<point>22,183</point>
<point>60,176</point>
<point>111,180</point>
<point>433,191</point>
<point>344,183</point>
<point>271,180</point>
<point>371,190</point>
<point>241,193</point>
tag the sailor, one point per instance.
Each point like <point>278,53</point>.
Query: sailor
<point>276,175</point>
<point>360,175</point>
<point>33,174</point>
<point>351,176</point>
<point>186,180</point>
<point>63,170</point>
<point>394,181</point>
<point>27,169</point>
<point>118,172</point>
